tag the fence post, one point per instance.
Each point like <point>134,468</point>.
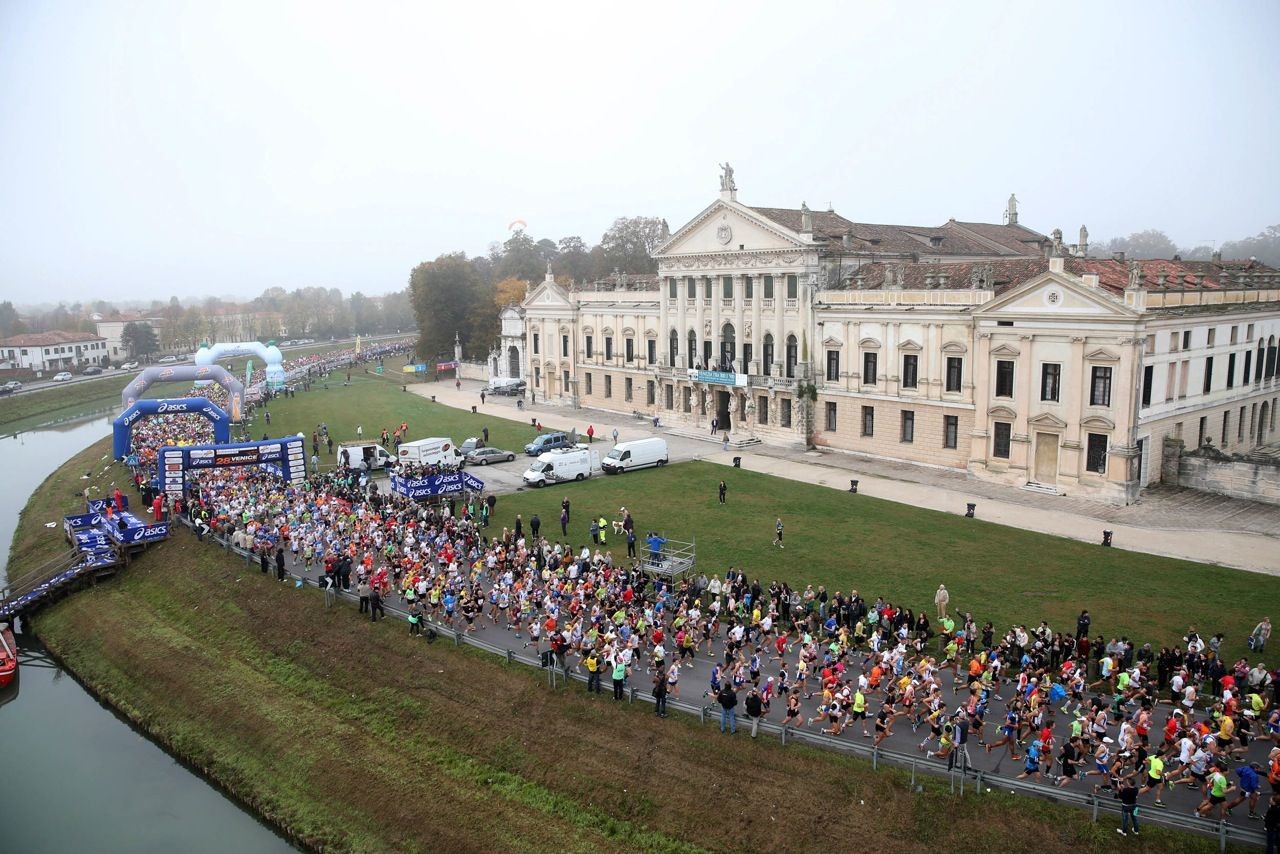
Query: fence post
<point>875,754</point>
<point>979,781</point>
<point>784,735</point>
<point>1094,799</point>
<point>631,698</point>
<point>1222,836</point>
<point>457,639</point>
<point>913,775</point>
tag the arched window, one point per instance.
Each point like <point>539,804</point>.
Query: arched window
<point>1261,361</point>
<point>673,348</point>
<point>692,352</point>
<point>1271,357</point>
<point>792,353</point>
<point>768,355</point>
<point>728,348</point>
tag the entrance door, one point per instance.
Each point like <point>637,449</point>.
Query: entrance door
<point>513,362</point>
<point>722,410</point>
<point>1046,458</point>
<point>1142,462</point>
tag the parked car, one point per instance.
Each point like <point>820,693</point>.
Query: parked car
<point>508,388</point>
<point>61,376</point>
<point>167,360</point>
<point>471,444</point>
<point>547,442</point>
<point>484,456</point>
<point>92,370</point>
<point>129,366</point>
<point>10,387</point>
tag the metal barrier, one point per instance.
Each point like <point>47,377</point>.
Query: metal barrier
<point>979,781</point>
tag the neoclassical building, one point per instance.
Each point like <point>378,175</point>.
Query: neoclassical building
<point>982,347</point>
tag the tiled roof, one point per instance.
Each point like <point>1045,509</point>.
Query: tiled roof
<point>951,238</point>
<point>49,339</point>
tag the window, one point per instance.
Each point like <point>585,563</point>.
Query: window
<point>1186,340</point>
<point>1096,455</point>
<point>669,393</point>
<point>687,404</point>
<point>748,286</point>
<point>791,286</point>
<point>910,364</point>
<point>1183,372</point>
<point>706,287</point>
<point>1149,346</point>
<point>587,377</point>
<point>784,418</point>
<point>950,431</point>
<point>831,416</point>
<point>1004,378</point>
<point>726,287</point>
<point>868,420</point>
<point>1235,334</point>
<point>768,287</point>
<point>768,355</point>
<point>626,389</point>
<point>1171,381</point>
<point>706,354</point>
<point>650,392</point>
<point>1248,332</point>
<point>564,346</point>
<point>1003,431</point>
<point>1226,426</point>
<point>672,289</point>
<point>1213,335</point>
<point>1050,381</point>
<point>1231,367</point>
<point>591,346</point>
<point>629,347</point>
<point>1204,428</point>
<point>537,377</point>
<point>608,347</point>
<point>868,368</point>
<point>955,370</point>
<point>651,350</point>
<point>536,340</point>
<point>1004,323</point>
<point>564,377</point>
<point>792,355</point>
<point>762,409</point>
<point>1173,342</point>
<point>691,352</point>
<point>908,433</point>
<point>673,348</point>
<point>746,357</point>
<point>1100,388</point>
<point>1240,426</point>
<point>608,385</point>
<point>1148,376</point>
<point>1208,376</point>
<point>833,365</point>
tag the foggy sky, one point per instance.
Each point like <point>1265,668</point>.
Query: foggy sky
<point>151,148</point>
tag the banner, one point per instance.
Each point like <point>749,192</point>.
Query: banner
<point>436,484</point>
<point>719,378</point>
<point>446,366</point>
<point>286,454</point>
<point>97,505</point>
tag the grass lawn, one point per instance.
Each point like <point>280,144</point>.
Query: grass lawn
<point>52,403</point>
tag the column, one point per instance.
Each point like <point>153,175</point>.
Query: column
<point>757,334</point>
<point>682,329</point>
<point>980,371</point>
<point>1075,385</point>
<point>717,285</point>
<point>890,358</point>
<point>849,356</point>
<point>1020,446</point>
<point>739,320</point>
<point>779,326</point>
<point>930,358</point>
<point>699,318</point>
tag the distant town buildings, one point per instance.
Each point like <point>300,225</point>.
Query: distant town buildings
<point>52,351</point>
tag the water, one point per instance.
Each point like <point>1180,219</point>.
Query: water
<point>73,776</point>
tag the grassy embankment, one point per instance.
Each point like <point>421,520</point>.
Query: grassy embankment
<point>354,737</point>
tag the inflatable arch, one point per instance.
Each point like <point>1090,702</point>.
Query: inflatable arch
<point>122,432</point>
<point>187,373</point>
<point>207,355</point>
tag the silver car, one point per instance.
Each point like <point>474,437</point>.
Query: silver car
<point>484,456</point>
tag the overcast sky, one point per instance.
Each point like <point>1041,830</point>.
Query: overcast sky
<point>150,148</point>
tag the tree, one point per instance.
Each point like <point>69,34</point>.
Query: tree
<point>572,258</point>
<point>630,241</point>
<point>139,339</point>
<point>509,291</point>
<point>522,258</point>
<point>1151,243</point>
<point>10,323</point>
<point>444,292</point>
<point>1265,247</point>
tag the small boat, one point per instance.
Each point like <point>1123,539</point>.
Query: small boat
<point>8,655</point>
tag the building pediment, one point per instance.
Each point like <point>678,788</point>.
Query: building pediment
<point>1056,295</point>
<point>954,348</point>
<point>1005,350</point>
<point>548,294</point>
<point>724,227</point>
<point>1102,355</point>
<point>910,346</point>
<point>1001,412</point>
<point>869,344</point>
<point>1098,422</point>
<point>1047,419</point>
<point>832,343</point>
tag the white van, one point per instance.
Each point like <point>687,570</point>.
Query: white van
<point>562,465</point>
<point>639,454</point>
<point>365,456</point>
<point>431,452</point>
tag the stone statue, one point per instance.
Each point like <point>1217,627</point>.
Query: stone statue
<point>1056,235</point>
<point>747,331</point>
<point>706,328</point>
<point>726,179</point>
<point>1135,274</point>
<point>1011,210</point>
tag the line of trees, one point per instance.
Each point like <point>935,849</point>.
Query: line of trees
<point>458,295</point>
<point>1152,243</point>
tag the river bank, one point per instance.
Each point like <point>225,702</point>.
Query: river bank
<point>353,736</point>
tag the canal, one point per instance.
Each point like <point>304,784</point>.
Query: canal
<point>73,776</point>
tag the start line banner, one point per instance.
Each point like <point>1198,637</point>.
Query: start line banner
<point>436,484</point>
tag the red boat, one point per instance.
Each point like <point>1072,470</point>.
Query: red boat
<point>8,655</point>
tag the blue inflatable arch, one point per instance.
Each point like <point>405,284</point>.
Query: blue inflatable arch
<point>269,353</point>
<point>122,433</point>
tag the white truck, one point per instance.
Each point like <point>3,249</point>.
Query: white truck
<point>638,454</point>
<point>559,466</point>
<point>431,452</point>
<point>365,456</point>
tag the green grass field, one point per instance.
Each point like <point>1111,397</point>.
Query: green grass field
<point>842,541</point>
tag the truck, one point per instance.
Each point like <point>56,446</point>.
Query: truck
<point>559,466</point>
<point>365,456</point>
<point>637,454</point>
<point>437,451</point>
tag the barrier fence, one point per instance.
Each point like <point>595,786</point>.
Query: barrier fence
<point>977,782</point>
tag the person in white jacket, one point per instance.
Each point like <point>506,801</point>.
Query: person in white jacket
<point>941,598</point>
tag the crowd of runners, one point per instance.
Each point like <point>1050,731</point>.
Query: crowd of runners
<point>1076,708</point>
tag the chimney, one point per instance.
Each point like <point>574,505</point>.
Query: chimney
<point>1084,241</point>
<point>1117,256</point>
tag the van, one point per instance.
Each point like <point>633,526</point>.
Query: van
<point>562,465</point>
<point>547,442</point>
<point>365,456</point>
<point>438,451</point>
<point>639,454</point>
